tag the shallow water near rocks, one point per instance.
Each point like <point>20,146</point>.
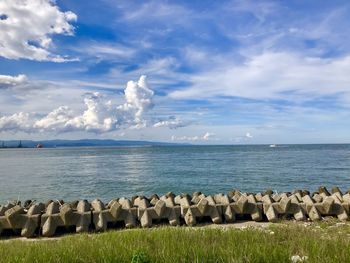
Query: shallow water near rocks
<point>106,173</point>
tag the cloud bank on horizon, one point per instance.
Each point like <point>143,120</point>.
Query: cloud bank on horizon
<point>229,72</point>
<point>99,116</point>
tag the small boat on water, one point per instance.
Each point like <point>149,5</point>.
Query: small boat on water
<point>272,145</point>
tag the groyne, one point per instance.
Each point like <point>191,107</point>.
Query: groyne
<point>31,219</point>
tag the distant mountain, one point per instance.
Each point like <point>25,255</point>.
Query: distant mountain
<point>77,143</point>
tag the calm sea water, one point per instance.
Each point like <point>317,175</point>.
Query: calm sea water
<point>76,173</point>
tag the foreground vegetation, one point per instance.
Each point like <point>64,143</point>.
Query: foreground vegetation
<point>322,242</point>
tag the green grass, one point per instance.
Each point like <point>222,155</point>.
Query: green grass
<point>324,242</point>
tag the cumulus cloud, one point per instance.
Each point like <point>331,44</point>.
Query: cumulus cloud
<point>8,81</point>
<point>55,120</point>
<point>206,137</point>
<point>16,122</point>
<point>26,29</point>
<point>139,98</point>
<point>100,115</point>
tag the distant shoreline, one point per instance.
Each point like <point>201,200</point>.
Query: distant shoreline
<point>84,143</point>
<point>76,144</point>
<point>11,144</point>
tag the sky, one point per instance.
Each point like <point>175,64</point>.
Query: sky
<point>203,72</point>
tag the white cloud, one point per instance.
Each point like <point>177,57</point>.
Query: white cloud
<point>172,123</point>
<point>55,120</point>
<point>16,122</point>
<point>139,98</point>
<point>260,10</point>
<point>155,11</point>
<point>99,116</point>
<point>286,76</point>
<point>206,137</point>
<point>26,32</point>
<point>105,51</point>
<point>8,81</point>
<point>248,135</point>
<point>41,96</point>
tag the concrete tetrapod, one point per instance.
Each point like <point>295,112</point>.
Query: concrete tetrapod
<point>56,215</point>
<point>128,214</point>
<point>202,207</point>
<point>4,224</point>
<point>162,209</point>
<point>243,204</point>
<point>207,207</point>
<point>273,209</point>
<point>16,218</point>
<point>32,218</point>
<point>174,211</point>
<point>117,210</point>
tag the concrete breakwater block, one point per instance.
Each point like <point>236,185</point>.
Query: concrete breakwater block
<point>157,209</point>
<point>197,207</point>
<point>283,205</point>
<point>118,210</point>
<point>17,218</point>
<point>237,203</point>
<point>35,219</point>
<point>66,215</point>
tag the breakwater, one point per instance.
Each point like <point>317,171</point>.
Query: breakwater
<point>32,219</point>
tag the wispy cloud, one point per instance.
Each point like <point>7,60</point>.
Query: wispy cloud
<point>8,81</point>
<point>151,11</point>
<point>105,51</point>
<point>274,76</point>
<point>267,69</point>
<point>172,123</point>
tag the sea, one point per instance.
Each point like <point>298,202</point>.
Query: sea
<point>111,172</point>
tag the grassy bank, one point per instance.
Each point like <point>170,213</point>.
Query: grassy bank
<point>323,242</point>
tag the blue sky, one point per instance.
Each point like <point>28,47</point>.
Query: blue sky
<point>218,72</point>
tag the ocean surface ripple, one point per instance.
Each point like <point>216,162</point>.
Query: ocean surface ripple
<point>106,173</point>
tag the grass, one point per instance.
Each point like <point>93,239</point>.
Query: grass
<point>322,242</point>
